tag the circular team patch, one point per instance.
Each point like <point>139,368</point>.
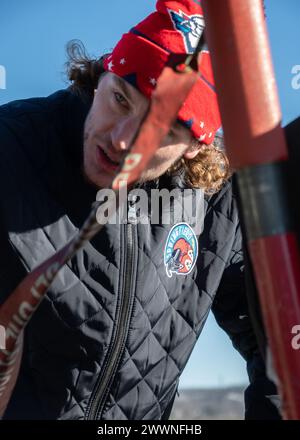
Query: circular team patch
<point>181,250</point>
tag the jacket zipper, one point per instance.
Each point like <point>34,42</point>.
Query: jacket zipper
<point>115,352</point>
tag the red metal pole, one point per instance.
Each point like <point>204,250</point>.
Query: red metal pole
<point>237,38</point>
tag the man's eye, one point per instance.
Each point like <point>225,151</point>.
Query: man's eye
<point>120,99</point>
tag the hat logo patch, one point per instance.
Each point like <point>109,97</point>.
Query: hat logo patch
<point>190,27</point>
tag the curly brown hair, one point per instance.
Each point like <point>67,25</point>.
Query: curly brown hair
<point>209,170</point>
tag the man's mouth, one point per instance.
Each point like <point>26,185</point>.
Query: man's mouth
<point>106,161</point>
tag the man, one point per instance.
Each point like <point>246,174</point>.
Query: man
<point>118,325</point>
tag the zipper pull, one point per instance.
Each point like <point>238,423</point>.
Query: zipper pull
<point>132,217</point>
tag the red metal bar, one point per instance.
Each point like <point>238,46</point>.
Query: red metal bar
<point>237,38</point>
<point>280,303</point>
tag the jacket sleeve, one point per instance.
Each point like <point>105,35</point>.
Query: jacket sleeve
<point>230,308</point>
<point>12,270</point>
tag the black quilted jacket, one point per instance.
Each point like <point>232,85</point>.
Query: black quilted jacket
<point>115,330</point>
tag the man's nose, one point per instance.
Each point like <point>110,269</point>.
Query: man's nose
<point>123,132</point>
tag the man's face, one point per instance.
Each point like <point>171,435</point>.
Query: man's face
<point>115,116</point>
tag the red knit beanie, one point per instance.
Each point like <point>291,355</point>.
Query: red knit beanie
<point>142,53</point>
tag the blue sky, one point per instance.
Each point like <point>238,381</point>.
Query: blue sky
<point>33,35</point>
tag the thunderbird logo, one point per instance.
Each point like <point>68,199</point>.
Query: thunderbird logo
<point>190,27</point>
<point>181,250</point>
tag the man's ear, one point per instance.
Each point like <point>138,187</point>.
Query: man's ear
<point>192,151</point>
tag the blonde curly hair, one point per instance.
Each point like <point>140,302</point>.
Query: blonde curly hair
<point>209,170</point>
